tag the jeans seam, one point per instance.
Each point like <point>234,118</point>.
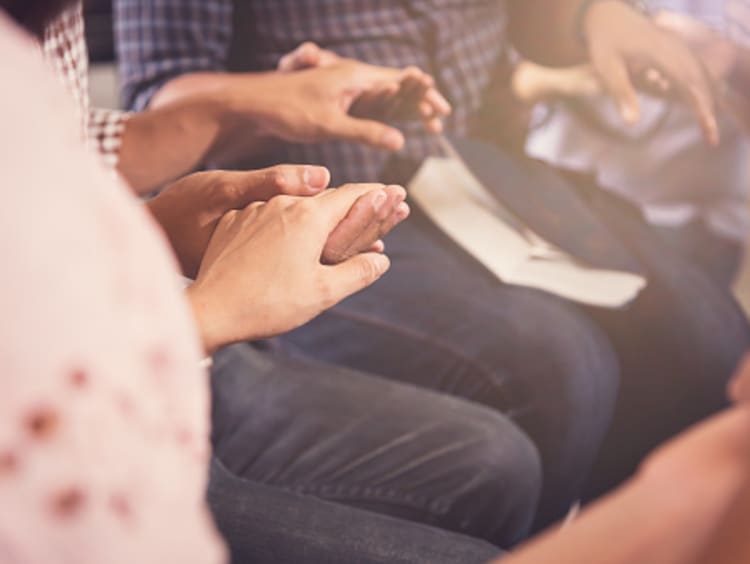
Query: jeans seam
<point>437,508</point>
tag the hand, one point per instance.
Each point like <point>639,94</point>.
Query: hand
<point>262,274</point>
<point>533,83</point>
<point>717,53</point>
<point>189,210</point>
<point>622,40</point>
<point>413,96</point>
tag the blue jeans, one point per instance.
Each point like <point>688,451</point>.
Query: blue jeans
<point>295,434</point>
<point>269,525</point>
<point>719,257</point>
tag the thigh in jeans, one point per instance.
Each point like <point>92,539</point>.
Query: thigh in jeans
<point>386,447</point>
<point>679,344</point>
<point>437,321</point>
<point>268,525</point>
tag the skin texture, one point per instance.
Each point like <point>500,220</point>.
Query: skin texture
<point>621,45</point>
<point>690,502</point>
<point>191,208</point>
<point>221,118</point>
<point>416,97</point>
<point>225,118</point>
<point>262,274</point>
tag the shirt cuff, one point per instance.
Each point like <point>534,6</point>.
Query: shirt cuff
<point>106,128</point>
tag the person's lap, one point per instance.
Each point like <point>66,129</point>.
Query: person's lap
<point>521,352</point>
<point>264,524</point>
<point>453,327</point>
<point>382,447</point>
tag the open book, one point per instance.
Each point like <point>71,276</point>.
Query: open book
<point>452,197</point>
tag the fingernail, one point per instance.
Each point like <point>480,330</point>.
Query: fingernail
<point>382,263</point>
<point>316,177</point>
<point>379,200</point>
<point>393,139</point>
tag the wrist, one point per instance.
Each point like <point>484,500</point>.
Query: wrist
<point>589,14</point>
<point>209,328</point>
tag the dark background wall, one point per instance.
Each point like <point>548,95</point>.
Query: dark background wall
<point>99,30</point>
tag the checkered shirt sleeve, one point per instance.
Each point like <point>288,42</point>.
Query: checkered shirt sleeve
<point>65,48</point>
<point>158,40</point>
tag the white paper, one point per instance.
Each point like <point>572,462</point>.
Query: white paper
<point>461,207</point>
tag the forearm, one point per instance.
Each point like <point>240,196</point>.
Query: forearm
<point>632,525</point>
<point>553,33</point>
<point>161,145</point>
<point>546,32</point>
<point>669,513</point>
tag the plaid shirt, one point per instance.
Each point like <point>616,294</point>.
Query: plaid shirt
<point>459,41</point>
<point>65,48</point>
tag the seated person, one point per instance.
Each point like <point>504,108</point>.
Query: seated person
<point>672,367</point>
<point>104,444</point>
<point>104,447</point>
<point>506,357</point>
<point>696,199</point>
<point>308,410</point>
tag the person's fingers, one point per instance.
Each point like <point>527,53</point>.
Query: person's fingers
<point>441,106</point>
<point>243,188</point>
<point>375,103</point>
<point>402,212</point>
<point>701,97</point>
<point>377,247</point>
<point>307,55</point>
<point>739,386</point>
<point>333,205</point>
<point>361,220</point>
<point>365,131</point>
<point>613,72</point>
<point>354,275</point>
<point>369,219</point>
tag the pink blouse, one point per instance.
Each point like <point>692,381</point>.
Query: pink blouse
<point>103,408</point>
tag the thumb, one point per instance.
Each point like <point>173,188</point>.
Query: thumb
<point>244,188</point>
<point>367,132</point>
<point>356,274</point>
<point>305,56</point>
<point>615,76</point>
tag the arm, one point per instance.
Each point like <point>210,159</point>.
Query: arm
<point>669,513</point>
<point>621,44</point>
<point>545,32</point>
<point>228,116</point>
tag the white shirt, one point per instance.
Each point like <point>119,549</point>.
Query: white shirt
<point>662,164</point>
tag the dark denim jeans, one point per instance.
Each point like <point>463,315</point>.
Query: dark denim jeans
<point>440,321</point>
<point>269,525</point>
<point>719,257</point>
<point>298,432</point>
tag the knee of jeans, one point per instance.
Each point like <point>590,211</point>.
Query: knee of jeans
<point>568,369</point>
<point>498,498</point>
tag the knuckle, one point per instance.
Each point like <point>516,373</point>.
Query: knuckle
<point>278,178</point>
<point>366,272</point>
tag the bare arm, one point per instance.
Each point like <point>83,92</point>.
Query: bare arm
<point>670,513</point>
<point>545,32</point>
<point>163,144</point>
